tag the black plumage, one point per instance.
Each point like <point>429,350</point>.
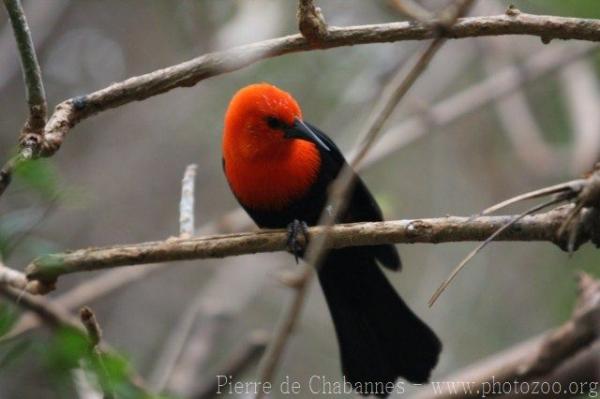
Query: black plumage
<point>380,338</point>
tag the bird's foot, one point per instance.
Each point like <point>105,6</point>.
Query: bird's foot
<point>297,238</point>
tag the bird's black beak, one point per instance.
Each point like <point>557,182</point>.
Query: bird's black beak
<point>300,130</point>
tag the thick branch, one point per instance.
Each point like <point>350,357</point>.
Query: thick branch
<point>72,111</point>
<point>541,227</point>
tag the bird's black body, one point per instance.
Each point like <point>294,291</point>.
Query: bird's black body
<point>380,338</point>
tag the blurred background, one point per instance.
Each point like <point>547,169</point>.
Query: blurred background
<point>454,145</point>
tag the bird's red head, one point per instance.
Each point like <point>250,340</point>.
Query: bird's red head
<point>254,121</point>
<point>270,156</point>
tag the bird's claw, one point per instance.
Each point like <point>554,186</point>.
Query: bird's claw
<point>295,244</point>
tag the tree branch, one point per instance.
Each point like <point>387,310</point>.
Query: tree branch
<point>32,75</point>
<point>72,111</point>
<point>31,134</point>
<point>540,227</point>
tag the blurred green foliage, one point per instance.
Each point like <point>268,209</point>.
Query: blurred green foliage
<point>7,318</point>
<point>567,8</point>
<point>39,175</point>
<point>68,350</point>
<point>44,189</point>
<point>10,351</point>
<point>16,230</point>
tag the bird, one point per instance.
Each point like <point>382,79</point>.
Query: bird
<point>279,168</point>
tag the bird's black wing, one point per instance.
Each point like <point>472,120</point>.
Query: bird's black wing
<point>362,207</point>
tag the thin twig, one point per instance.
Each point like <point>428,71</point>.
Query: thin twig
<point>496,233</point>
<point>338,196</point>
<point>475,97</point>
<point>582,97</point>
<point>237,361</point>
<point>584,192</point>
<point>84,292</point>
<point>31,134</point>
<point>32,74</point>
<point>290,315</point>
<point>175,344</point>
<point>571,187</point>
<point>395,90</point>
<point>413,10</point>
<point>214,319</point>
<point>88,319</point>
<point>94,333</point>
<point>514,113</point>
<point>51,314</point>
<point>186,206</point>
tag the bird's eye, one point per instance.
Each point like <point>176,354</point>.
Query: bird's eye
<point>274,123</point>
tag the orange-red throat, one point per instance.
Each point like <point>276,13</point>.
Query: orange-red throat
<point>265,167</point>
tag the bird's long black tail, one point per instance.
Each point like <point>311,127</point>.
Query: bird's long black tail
<point>380,338</point>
